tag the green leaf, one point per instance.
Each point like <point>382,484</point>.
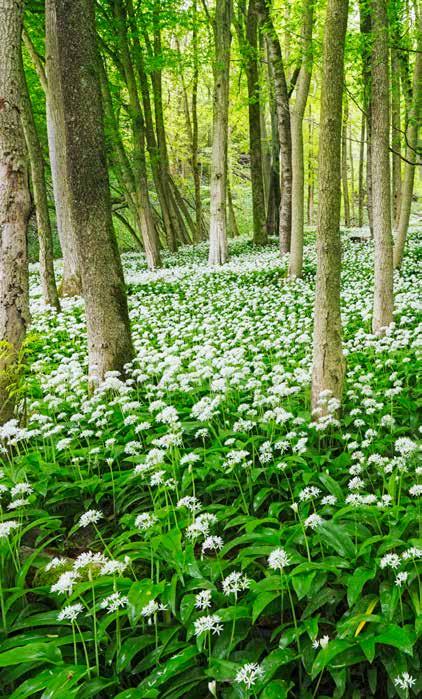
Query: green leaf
<point>326,655</point>
<point>335,536</point>
<point>356,582</point>
<point>33,652</point>
<point>397,636</point>
<point>261,602</point>
<point>277,689</point>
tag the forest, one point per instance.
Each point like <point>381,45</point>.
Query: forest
<point>210,349</point>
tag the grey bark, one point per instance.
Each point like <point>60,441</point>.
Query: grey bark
<point>218,183</point>
<point>14,206</point>
<point>344,169</point>
<point>328,359</point>
<point>381,199</point>
<point>109,341</point>
<point>297,112</point>
<point>71,280</point>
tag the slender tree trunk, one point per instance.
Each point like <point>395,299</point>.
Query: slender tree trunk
<point>273,201</point>
<point>218,185</point>
<point>232,227</point>
<point>140,179</point>
<point>415,116</point>
<point>71,280</point>
<point>284,129</point>
<point>352,179</point>
<point>14,206</point>
<point>344,178</point>
<point>45,235</point>
<point>328,360</point>
<point>109,341</point>
<point>365,28</point>
<point>297,114</point>
<point>310,170</point>
<point>395,135</point>
<point>361,194</point>
<point>196,165</point>
<point>381,199</point>
<point>249,44</point>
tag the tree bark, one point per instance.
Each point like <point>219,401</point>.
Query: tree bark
<point>109,341</point>
<point>344,178</point>
<point>361,194</point>
<point>218,184</point>
<point>365,29</point>
<point>381,199</point>
<point>328,360</point>
<point>71,280</point>
<point>14,206</point>
<point>284,129</point>
<point>395,134</point>
<point>415,115</point>
<point>297,113</point>
<point>248,41</point>
<point>45,235</point>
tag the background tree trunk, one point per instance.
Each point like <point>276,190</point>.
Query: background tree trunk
<point>415,115</point>
<point>71,280</point>
<point>328,360</point>
<point>109,341</point>
<point>361,193</point>
<point>344,178</point>
<point>218,185</point>
<point>395,135</point>
<point>14,205</point>
<point>365,28</point>
<point>380,164</point>
<point>297,113</point>
<point>45,235</point>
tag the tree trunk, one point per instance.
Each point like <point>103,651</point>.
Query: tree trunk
<point>381,199</point>
<point>250,57</point>
<point>415,115</point>
<point>297,114</point>
<point>273,200</point>
<point>71,280</point>
<point>365,28</point>
<point>14,206</point>
<point>140,179</point>
<point>196,165</point>
<point>284,129</point>
<point>395,135</point>
<point>344,179</point>
<point>310,216</point>
<point>45,235</point>
<point>109,341</point>
<point>218,184</point>
<point>361,194</point>
<point>328,359</point>
<point>232,227</point>
<point>352,179</point>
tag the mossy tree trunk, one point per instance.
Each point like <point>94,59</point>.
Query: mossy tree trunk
<point>109,341</point>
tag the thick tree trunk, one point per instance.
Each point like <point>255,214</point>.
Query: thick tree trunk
<point>71,280</point>
<point>284,129</point>
<point>14,206</point>
<point>328,360</point>
<point>344,177</point>
<point>109,341</point>
<point>381,199</point>
<point>395,135</point>
<point>250,57</point>
<point>361,193</point>
<point>297,114</point>
<point>45,236</point>
<point>218,184</point>
<point>415,115</point>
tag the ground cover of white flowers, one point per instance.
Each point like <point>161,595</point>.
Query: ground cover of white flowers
<point>192,530</point>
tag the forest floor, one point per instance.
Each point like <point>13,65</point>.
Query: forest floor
<point>194,524</point>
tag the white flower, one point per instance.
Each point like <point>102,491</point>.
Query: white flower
<point>212,543</point>
<point>150,609</point>
<point>329,500</point>
<point>70,613</point>
<point>88,558</point>
<point>309,493</point>
<point>401,578</point>
<point>390,560</point>
<point>112,567</point>
<point>66,582</point>
<point>321,642</point>
<point>313,521</point>
<point>405,446</point>
<point>209,623</point>
<point>203,599</point>
<point>416,491</point>
<point>190,502</point>
<point>21,489</point>
<point>278,559</point>
<point>235,582</point>
<point>249,674</point>
<point>55,562</point>
<point>145,521</point>
<point>19,502</point>
<point>90,517</point>
<point>7,527</point>
<point>404,681</point>
<point>113,602</point>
